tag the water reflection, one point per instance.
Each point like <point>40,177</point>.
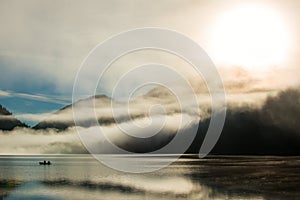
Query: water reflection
<point>82,177</point>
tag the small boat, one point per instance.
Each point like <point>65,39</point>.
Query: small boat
<point>45,163</point>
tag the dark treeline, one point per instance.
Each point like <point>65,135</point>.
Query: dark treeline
<point>272,129</point>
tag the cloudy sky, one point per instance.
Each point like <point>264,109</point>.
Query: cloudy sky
<point>43,43</point>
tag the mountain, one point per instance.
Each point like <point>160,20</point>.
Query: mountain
<point>271,129</point>
<point>8,121</point>
<point>63,118</point>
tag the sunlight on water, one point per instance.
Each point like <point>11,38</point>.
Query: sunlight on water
<point>83,177</point>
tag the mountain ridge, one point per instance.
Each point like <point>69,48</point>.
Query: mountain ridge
<point>8,121</point>
<point>272,129</point>
<point>52,122</point>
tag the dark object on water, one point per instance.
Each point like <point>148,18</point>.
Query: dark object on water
<point>45,163</point>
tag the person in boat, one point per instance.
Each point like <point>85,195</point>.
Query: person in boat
<point>45,163</point>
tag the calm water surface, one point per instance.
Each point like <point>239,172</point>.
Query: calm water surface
<point>215,177</point>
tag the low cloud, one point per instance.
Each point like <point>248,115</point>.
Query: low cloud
<point>28,141</point>
<point>110,112</point>
<point>271,127</point>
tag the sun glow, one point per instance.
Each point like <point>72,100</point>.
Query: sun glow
<point>252,37</point>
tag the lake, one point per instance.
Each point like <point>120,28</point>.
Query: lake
<point>214,177</point>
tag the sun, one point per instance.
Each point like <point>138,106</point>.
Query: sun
<point>252,37</point>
